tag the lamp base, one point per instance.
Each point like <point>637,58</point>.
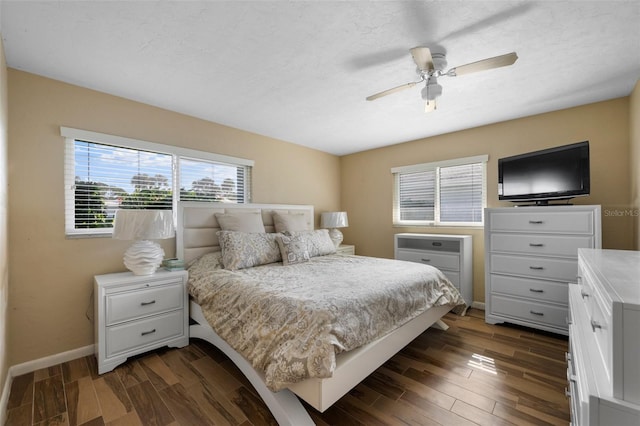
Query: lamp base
<point>336,236</point>
<point>143,257</point>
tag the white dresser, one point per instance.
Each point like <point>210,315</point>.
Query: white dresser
<point>135,314</point>
<point>531,253</point>
<point>452,254</point>
<point>604,339</point>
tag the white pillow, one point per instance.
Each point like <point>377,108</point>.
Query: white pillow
<point>243,250</point>
<point>241,222</point>
<point>289,222</point>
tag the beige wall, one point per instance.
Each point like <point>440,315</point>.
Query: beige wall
<point>51,277</point>
<point>4,265</point>
<point>367,182</point>
<point>634,157</point>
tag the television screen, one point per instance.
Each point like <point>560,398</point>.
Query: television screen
<point>558,173</point>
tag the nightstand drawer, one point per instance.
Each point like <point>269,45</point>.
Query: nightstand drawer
<point>126,306</point>
<point>137,334</point>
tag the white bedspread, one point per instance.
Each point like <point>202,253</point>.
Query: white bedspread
<point>291,321</point>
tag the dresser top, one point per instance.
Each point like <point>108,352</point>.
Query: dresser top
<point>618,270</point>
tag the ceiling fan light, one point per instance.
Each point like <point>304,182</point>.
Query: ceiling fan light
<point>431,90</point>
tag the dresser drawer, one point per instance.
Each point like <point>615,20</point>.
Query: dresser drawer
<point>555,316</point>
<point>126,306</point>
<point>546,291</point>
<point>137,334</point>
<point>565,270</point>
<point>544,245</point>
<point>569,222</point>
<point>437,259</point>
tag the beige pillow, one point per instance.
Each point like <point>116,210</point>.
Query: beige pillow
<point>243,250</point>
<point>317,242</point>
<point>293,249</point>
<point>241,222</point>
<point>289,222</point>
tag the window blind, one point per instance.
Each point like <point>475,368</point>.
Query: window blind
<point>104,173</point>
<point>446,193</point>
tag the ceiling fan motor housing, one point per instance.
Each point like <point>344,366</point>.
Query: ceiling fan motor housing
<point>439,61</point>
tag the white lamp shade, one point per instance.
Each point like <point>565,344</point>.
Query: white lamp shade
<point>334,220</point>
<point>143,257</point>
<point>143,225</point>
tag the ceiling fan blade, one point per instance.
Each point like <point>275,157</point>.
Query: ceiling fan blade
<point>422,58</point>
<point>393,90</point>
<point>485,64</point>
<point>430,106</point>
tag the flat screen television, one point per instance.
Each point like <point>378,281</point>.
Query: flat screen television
<point>559,173</point>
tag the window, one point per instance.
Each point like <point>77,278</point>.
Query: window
<point>104,173</point>
<point>446,193</point>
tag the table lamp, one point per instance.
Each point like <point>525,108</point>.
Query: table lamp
<point>332,221</point>
<point>141,226</point>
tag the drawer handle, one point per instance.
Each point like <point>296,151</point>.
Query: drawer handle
<point>436,244</point>
<point>536,222</point>
<point>535,290</point>
<point>536,245</point>
<point>147,303</point>
<point>144,333</point>
<point>584,294</point>
<point>426,260</point>
<point>595,325</point>
<point>540,314</point>
<point>536,268</point>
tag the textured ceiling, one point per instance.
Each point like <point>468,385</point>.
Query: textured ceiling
<point>300,71</point>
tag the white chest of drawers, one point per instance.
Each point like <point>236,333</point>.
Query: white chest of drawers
<point>604,336</point>
<point>452,254</point>
<point>135,314</point>
<point>531,253</point>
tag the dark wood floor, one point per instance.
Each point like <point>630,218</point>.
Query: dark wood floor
<point>472,374</point>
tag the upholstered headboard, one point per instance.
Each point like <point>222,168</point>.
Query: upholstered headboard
<point>197,224</point>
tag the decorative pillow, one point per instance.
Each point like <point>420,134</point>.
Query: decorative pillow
<point>293,249</point>
<point>242,222</point>
<point>243,250</point>
<point>318,242</point>
<point>289,222</point>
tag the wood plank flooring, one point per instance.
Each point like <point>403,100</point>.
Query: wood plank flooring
<point>472,374</point>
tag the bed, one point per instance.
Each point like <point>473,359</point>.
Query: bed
<point>198,244</point>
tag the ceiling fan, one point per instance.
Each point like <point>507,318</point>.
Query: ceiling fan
<point>431,66</point>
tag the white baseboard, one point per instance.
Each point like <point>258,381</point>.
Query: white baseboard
<point>28,367</point>
<point>478,305</point>
<point>4,399</point>
<point>36,364</point>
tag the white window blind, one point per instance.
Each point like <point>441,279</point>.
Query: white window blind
<point>447,193</point>
<point>104,173</point>
<point>202,180</point>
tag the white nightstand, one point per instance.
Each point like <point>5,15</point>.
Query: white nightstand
<point>135,314</point>
<point>346,249</point>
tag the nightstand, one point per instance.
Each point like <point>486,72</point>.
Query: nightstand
<point>346,249</point>
<point>138,313</point>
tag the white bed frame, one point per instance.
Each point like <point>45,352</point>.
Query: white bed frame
<point>196,235</point>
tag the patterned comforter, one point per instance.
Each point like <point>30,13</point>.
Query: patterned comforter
<point>291,321</point>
